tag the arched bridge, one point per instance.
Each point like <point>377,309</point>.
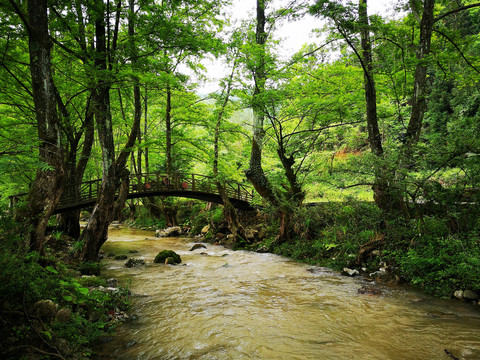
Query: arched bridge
<point>191,186</point>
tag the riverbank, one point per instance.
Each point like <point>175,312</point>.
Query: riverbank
<point>51,307</point>
<point>438,253</point>
<point>430,253</point>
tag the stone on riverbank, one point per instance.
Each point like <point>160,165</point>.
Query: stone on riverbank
<point>45,309</point>
<point>350,272</point>
<point>63,315</point>
<point>468,295</point>
<point>169,232</point>
<point>164,254</point>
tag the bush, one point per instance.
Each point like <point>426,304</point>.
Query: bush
<point>27,277</point>
<point>441,265</point>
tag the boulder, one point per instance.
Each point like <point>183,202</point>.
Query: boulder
<point>205,230</point>
<point>350,272</point>
<point>170,261</point>
<point>470,295</point>
<point>458,294</point>
<point>164,254</point>
<point>169,232</point>
<point>112,282</point>
<point>120,257</point>
<point>45,309</point>
<point>262,249</point>
<point>134,262</point>
<point>63,315</point>
<point>198,246</point>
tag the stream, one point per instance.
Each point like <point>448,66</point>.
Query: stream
<point>223,304</point>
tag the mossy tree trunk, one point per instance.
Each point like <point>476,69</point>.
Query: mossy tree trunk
<point>47,187</point>
<point>115,175</point>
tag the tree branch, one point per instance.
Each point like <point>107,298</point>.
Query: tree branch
<point>458,49</point>
<point>455,11</point>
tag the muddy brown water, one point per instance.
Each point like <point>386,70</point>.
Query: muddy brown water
<point>223,304</point>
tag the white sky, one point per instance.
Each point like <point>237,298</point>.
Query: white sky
<point>294,34</point>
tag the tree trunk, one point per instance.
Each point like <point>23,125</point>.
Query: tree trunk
<point>168,131</point>
<point>69,222</point>
<point>145,131</point>
<point>384,195</point>
<point>420,82</point>
<point>96,231</point>
<point>115,175</point>
<point>169,211</point>
<point>47,187</point>
<point>255,173</point>
<point>229,212</point>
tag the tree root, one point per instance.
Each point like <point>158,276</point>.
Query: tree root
<point>40,351</point>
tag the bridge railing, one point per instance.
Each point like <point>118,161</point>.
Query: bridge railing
<point>186,182</point>
<point>78,193</point>
<point>147,182</point>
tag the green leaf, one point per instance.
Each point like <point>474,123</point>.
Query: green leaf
<point>83,291</point>
<point>51,269</point>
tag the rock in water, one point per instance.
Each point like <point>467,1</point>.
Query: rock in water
<point>198,246</point>
<point>164,254</point>
<point>134,262</point>
<point>169,261</point>
<point>369,290</point>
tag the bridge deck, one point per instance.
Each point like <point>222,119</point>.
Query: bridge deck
<point>193,186</point>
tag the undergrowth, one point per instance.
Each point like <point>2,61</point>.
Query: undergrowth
<point>427,252</point>
<point>26,280</point>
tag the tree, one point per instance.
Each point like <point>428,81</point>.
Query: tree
<point>115,176</point>
<point>46,190</point>
<point>255,173</point>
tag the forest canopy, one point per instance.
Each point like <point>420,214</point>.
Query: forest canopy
<point>375,108</point>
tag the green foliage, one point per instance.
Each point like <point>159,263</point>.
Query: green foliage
<point>441,264</point>
<point>197,216</point>
<point>27,277</point>
<point>144,219</point>
<point>89,268</point>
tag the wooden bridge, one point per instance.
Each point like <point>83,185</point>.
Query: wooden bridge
<point>191,186</point>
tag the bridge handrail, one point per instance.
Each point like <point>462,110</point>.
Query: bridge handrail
<point>86,191</point>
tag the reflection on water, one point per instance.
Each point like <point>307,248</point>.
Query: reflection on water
<point>240,305</point>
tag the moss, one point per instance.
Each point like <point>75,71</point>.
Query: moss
<point>164,254</point>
